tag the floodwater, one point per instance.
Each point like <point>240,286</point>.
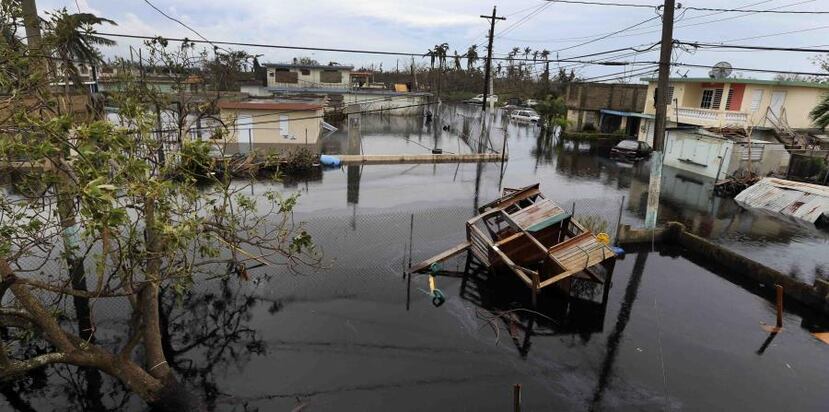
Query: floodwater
<point>360,336</point>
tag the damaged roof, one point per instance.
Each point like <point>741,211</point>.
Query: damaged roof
<point>803,201</point>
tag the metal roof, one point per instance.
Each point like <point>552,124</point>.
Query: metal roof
<point>802,201</point>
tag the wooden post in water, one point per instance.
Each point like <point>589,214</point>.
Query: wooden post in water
<point>779,290</point>
<point>409,278</point>
<point>516,397</point>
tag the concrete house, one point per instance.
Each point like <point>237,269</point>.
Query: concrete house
<point>308,78</point>
<point>775,106</point>
<point>266,125</point>
<point>717,156</point>
<point>607,108</point>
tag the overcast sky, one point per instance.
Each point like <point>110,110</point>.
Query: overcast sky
<point>415,26</point>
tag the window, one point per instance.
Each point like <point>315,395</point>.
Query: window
<point>711,99</point>
<point>756,99</point>
<point>286,76</point>
<point>331,76</point>
<point>756,152</point>
<point>305,72</point>
<point>283,125</point>
<point>729,99</point>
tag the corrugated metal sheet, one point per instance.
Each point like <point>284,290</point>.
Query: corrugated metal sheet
<point>802,201</point>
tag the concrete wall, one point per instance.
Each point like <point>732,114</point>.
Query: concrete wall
<point>696,153</point>
<point>733,266</point>
<point>597,96</point>
<point>395,104</point>
<point>265,132</point>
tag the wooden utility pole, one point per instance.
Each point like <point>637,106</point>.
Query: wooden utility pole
<point>662,88</point>
<point>487,74</point>
<point>32,23</point>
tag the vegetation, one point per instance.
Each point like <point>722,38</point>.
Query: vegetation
<point>109,212</point>
<point>553,112</point>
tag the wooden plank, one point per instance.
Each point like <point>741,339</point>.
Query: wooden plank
<point>570,242</point>
<point>510,264</point>
<point>416,158</point>
<point>559,277</point>
<point>439,257</point>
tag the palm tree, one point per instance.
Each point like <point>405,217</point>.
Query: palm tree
<point>820,114</point>
<point>457,58</point>
<point>527,51</point>
<point>545,54</point>
<point>440,53</point>
<point>471,57</point>
<point>74,40</point>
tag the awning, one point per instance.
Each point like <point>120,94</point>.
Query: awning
<point>628,114</point>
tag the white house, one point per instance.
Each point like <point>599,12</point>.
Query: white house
<point>717,156</point>
<point>308,78</point>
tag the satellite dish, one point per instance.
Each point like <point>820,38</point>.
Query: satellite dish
<point>720,70</point>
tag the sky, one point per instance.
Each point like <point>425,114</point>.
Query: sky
<point>416,26</point>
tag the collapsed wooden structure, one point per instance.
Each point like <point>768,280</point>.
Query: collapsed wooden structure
<point>533,237</point>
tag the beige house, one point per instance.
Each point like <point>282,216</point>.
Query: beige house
<point>308,77</point>
<point>266,125</point>
<point>782,106</point>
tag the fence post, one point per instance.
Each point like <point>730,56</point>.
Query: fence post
<point>619,221</point>
<point>516,397</point>
<point>573,211</point>
<point>409,278</point>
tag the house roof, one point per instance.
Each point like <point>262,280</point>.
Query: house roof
<point>268,105</point>
<point>791,83</point>
<point>307,66</point>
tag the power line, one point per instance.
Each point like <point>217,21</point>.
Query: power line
<point>334,50</point>
<point>608,34</point>
<point>719,10</point>
<point>747,47</point>
<point>770,11</point>
<point>180,22</point>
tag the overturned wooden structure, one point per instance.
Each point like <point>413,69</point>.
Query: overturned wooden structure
<point>534,238</point>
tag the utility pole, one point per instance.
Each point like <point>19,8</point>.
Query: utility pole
<point>487,74</point>
<point>32,23</point>
<point>662,87</point>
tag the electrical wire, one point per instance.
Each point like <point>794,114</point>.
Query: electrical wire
<point>719,10</point>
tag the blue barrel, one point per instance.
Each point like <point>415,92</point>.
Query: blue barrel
<point>330,161</point>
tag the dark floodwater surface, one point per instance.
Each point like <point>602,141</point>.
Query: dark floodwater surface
<point>673,335</point>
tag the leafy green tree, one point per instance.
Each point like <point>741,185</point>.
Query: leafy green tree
<point>553,112</point>
<point>820,114</point>
<point>140,215</point>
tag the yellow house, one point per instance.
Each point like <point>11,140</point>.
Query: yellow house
<point>266,125</point>
<point>780,106</point>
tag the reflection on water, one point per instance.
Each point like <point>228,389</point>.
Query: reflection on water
<point>342,340</point>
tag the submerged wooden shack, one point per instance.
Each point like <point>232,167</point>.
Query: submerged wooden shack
<point>534,238</point>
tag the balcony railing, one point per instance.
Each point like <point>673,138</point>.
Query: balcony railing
<point>710,118</point>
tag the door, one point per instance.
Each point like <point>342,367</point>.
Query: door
<point>244,132</point>
<point>777,100</point>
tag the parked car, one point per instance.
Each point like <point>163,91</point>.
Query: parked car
<point>631,150</point>
<point>531,103</point>
<point>479,99</point>
<point>525,115</point>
